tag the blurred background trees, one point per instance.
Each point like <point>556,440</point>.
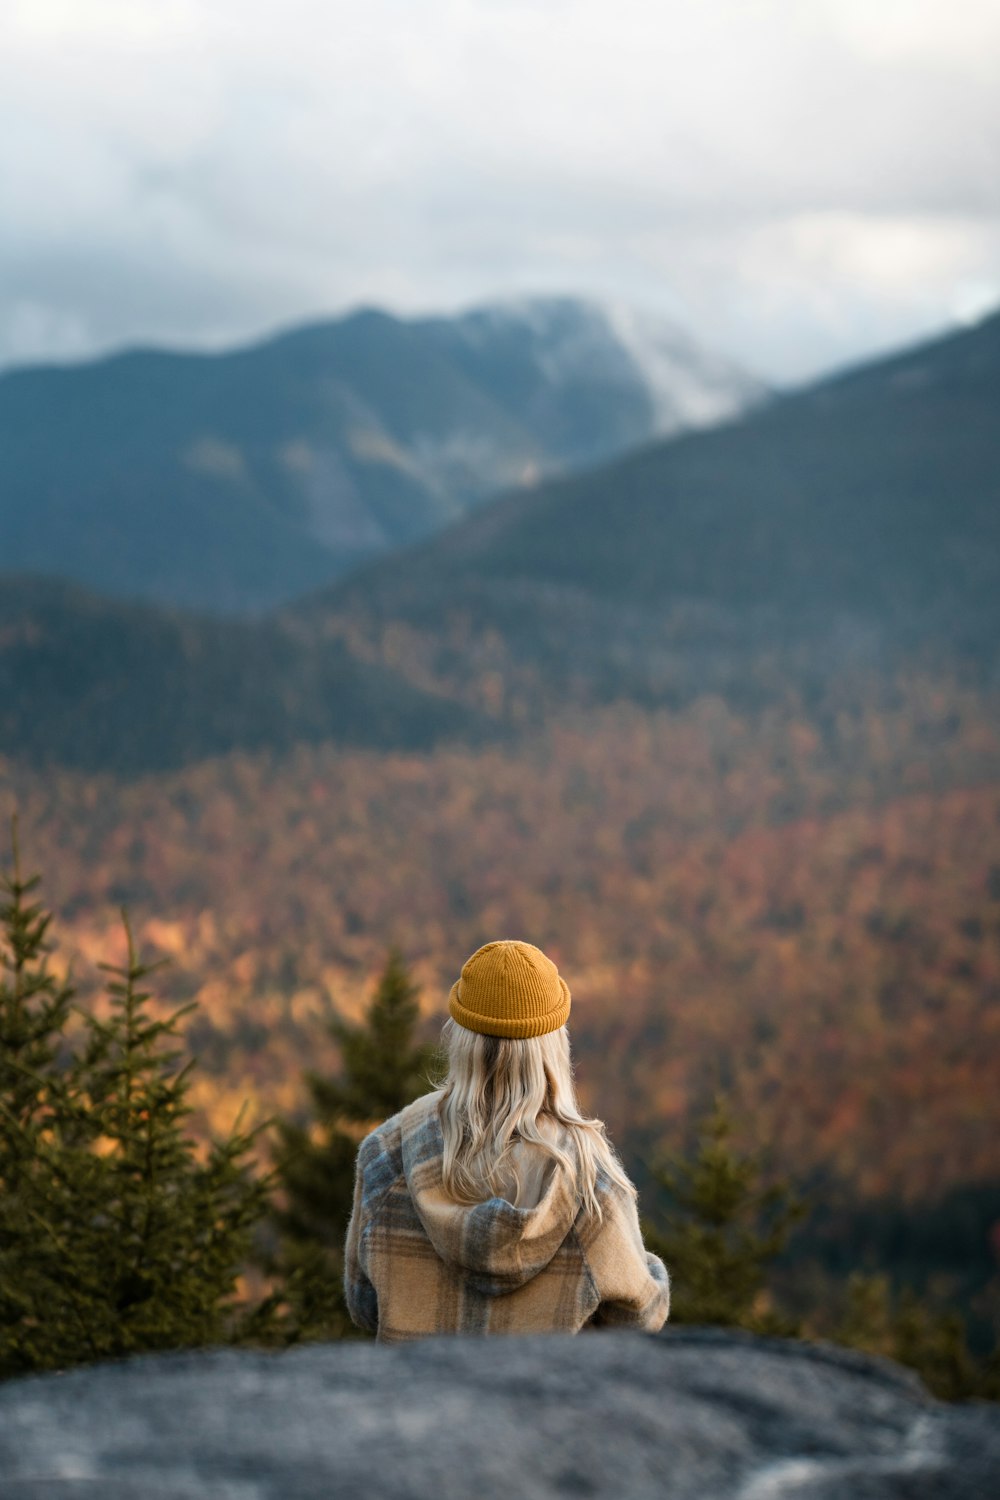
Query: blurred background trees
<point>121,1232</point>
<point>721,1230</point>
<point>383,1068</point>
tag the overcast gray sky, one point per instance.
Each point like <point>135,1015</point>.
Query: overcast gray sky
<point>799,182</point>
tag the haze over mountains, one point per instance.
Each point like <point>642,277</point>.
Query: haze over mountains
<point>848,523</point>
<point>233,482</point>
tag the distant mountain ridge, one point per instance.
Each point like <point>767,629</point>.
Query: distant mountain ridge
<point>234,482</point>
<point>851,525</point>
<point>852,517</point>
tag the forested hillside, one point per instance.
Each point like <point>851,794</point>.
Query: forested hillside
<point>809,914</point>
<point>109,686</point>
<point>850,523</point>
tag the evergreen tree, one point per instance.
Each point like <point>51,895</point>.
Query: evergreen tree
<point>34,1010</point>
<point>723,1228</point>
<point>383,1068</point>
<point>906,1328</point>
<point>115,1237</point>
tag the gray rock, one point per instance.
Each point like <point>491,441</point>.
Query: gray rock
<point>692,1413</point>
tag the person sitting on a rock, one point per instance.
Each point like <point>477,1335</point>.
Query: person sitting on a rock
<point>492,1205</point>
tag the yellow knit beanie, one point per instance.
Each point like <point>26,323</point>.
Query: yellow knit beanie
<point>509,989</point>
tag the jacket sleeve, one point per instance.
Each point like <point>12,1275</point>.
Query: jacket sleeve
<point>359,1294</point>
<point>633,1284</point>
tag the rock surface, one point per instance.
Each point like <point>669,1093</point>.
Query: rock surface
<point>693,1413</point>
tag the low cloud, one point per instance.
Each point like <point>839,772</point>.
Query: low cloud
<point>800,185</point>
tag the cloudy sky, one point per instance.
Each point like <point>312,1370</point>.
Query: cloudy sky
<point>799,182</point>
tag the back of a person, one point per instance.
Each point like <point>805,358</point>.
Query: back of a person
<point>492,1205</point>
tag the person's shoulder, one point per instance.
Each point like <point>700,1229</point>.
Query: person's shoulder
<point>616,1204</point>
<point>385,1141</point>
<point>419,1110</point>
<point>614,1193</point>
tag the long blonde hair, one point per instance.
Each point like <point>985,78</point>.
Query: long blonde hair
<point>496,1091</point>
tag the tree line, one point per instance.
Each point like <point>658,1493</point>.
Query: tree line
<point>121,1233</point>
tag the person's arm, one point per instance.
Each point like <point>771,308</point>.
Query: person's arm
<point>633,1284</point>
<point>359,1294</point>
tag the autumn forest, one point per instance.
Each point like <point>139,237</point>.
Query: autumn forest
<point>812,919</point>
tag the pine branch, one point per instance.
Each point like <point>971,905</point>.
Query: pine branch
<point>66,1284</point>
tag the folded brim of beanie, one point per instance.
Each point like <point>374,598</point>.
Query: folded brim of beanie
<point>511,1026</point>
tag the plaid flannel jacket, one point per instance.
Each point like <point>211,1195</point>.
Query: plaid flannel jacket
<point>417,1263</point>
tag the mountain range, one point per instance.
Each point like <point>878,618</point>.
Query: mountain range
<point>854,523</point>
<point>232,482</point>
<point>839,523</point>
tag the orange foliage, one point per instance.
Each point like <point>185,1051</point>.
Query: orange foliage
<point>808,912</point>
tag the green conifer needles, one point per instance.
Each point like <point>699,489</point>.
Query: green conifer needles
<point>116,1236</point>
<point>724,1230</point>
<point>383,1068</point>
<point>933,1341</point>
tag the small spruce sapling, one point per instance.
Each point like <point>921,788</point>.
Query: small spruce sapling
<point>34,1010</point>
<point>907,1328</point>
<point>722,1230</point>
<point>383,1068</point>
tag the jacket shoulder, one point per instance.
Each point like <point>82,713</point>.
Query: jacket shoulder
<point>380,1163</point>
<point>380,1155</point>
<point>611,1193</point>
<point>619,1211</point>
